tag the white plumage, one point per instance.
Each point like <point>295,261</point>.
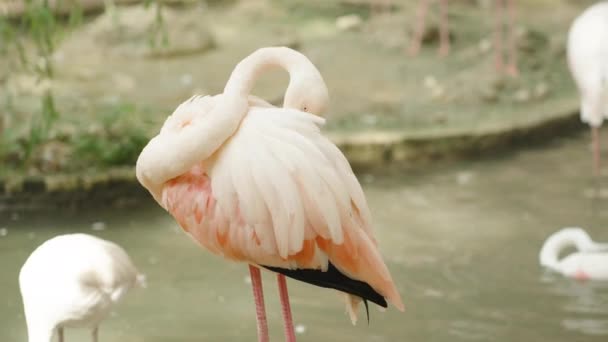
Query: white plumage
<point>588,61</point>
<point>262,185</point>
<point>589,262</point>
<point>73,281</point>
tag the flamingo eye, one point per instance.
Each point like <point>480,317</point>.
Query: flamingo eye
<point>305,108</point>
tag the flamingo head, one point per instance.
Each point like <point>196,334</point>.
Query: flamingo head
<point>309,95</point>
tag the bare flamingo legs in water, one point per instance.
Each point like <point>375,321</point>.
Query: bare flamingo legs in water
<point>258,295</point>
<point>444,35</point>
<point>286,308</point>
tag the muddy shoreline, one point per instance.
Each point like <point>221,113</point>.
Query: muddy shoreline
<point>366,151</point>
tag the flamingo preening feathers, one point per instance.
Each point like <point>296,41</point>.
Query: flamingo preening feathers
<point>590,261</point>
<point>262,185</point>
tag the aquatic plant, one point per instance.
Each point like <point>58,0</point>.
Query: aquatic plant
<point>159,35</point>
<point>40,27</point>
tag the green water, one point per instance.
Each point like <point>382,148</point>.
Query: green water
<point>460,239</point>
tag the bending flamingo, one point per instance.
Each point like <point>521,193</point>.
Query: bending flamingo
<point>588,62</point>
<point>74,280</point>
<point>589,262</point>
<point>259,184</point>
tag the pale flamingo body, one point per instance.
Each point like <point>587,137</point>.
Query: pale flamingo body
<point>74,280</point>
<point>278,171</point>
<point>590,261</point>
<point>274,192</point>
<point>588,62</point>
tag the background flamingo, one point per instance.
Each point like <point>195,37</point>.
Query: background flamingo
<point>74,281</point>
<point>259,184</point>
<point>444,34</point>
<point>589,262</point>
<point>588,62</point>
<point>444,46</point>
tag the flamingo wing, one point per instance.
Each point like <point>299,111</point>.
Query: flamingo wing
<point>280,194</point>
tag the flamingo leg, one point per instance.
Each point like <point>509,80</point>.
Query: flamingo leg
<point>498,62</point>
<point>60,334</point>
<point>414,48</point>
<point>595,139</point>
<point>290,335</point>
<point>512,64</point>
<point>95,333</point>
<point>444,33</point>
<point>258,297</point>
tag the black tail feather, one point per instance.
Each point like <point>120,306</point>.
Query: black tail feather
<point>334,279</point>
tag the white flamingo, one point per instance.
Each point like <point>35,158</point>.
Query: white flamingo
<point>73,281</point>
<point>588,62</point>
<point>258,184</point>
<point>589,262</point>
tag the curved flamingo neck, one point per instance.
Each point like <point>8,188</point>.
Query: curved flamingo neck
<point>549,254</point>
<point>246,73</point>
<point>169,155</point>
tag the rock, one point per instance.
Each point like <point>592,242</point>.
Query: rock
<point>348,22</point>
<point>541,90</point>
<point>434,87</point>
<point>123,82</point>
<point>485,45</point>
<point>98,226</point>
<point>186,80</point>
<point>464,177</point>
<point>522,95</point>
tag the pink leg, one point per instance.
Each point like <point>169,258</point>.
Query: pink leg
<point>414,48</point>
<point>290,335</point>
<point>498,62</point>
<point>595,138</point>
<point>444,33</point>
<point>512,64</point>
<point>258,296</point>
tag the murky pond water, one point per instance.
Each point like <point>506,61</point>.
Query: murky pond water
<point>462,241</point>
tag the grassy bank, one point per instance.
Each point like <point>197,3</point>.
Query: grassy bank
<point>113,86</point>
